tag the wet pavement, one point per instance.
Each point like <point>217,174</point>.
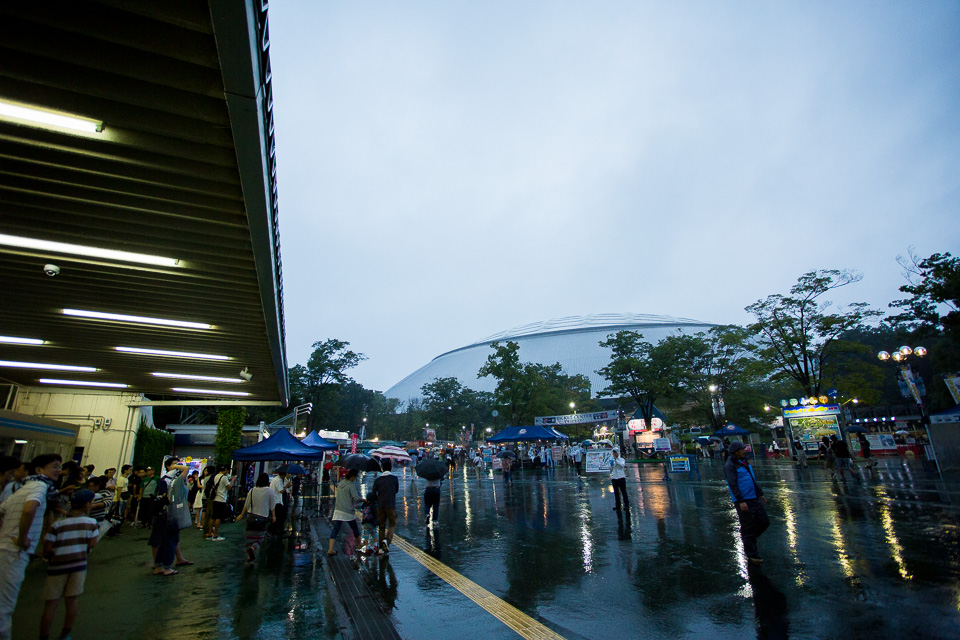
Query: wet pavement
<point>878,558</point>
<point>875,558</point>
<point>284,596</point>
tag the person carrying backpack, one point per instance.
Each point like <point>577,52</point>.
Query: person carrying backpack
<point>209,493</point>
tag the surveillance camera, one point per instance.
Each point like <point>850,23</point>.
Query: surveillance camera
<point>51,269</point>
<point>246,375</point>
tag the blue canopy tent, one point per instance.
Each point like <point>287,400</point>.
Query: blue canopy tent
<point>731,430</point>
<point>526,434</point>
<point>560,436</point>
<point>317,442</point>
<point>280,446</point>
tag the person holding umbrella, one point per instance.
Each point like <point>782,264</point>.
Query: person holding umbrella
<point>343,509</point>
<point>433,472</point>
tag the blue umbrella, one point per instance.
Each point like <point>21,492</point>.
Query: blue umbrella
<point>855,428</point>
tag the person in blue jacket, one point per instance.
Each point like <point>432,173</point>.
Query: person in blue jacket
<point>748,499</point>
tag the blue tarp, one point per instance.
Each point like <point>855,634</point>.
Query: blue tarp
<point>314,440</point>
<point>526,434</point>
<point>731,430</point>
<point>280,446</point>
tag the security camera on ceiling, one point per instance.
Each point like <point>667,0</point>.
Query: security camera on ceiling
<point>51,270</point>
<point>246,375</point>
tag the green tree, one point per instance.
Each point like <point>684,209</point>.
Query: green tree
<point>721,358</point>
<point>322,379</point>
<point>527,390</point>
<point>798,336</point>
<point>512,391</point>
<point>229,433</point>
<point>638,370</point>
<point>934,287</point>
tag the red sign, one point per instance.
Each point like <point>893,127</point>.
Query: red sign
<point>353,443</point>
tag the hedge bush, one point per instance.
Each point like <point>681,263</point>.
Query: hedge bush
<point>229,433</point>
<point>151,445</point>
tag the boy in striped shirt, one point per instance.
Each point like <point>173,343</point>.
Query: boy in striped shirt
<point>66,546</point>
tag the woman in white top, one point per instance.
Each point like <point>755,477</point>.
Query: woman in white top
<point>261,504</point>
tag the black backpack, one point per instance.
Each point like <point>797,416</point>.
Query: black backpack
<point>210,489</point>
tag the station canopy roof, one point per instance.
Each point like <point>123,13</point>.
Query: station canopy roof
<point>164,209</point>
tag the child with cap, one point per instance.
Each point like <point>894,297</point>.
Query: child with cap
<point>65,547</point>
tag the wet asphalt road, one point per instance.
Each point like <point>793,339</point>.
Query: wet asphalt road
<point>873,559</point>
<point>876,558</point>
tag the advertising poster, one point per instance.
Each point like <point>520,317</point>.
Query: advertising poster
<point>430,435</point>
<point>879,441</point>
<point>679,464</point>
<point>496,464</point>
<point>557,454</point>
<point>598,460</point>
<point>661,444</point>
<point>488,456</point>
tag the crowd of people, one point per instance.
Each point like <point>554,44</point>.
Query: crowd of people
<point>60,510</point>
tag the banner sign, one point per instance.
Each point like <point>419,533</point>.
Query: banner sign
<point>353,442</point>
<point>813,411</point>
<point>953,384</point>
<point>575,418</point>
<point>880,441</point>
<point>599,460</point>
<point>557,454</point>
<point>639,424</point>
<point>430,435</point>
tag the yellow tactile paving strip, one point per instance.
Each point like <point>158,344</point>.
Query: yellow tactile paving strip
<point>505,613</point>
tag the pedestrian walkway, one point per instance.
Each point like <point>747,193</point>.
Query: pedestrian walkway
<point>285,595</point>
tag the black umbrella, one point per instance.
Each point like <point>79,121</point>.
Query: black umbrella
<point>292,469</point>
<point>431,469</point>
<point>506,454</point>
<point>359,462</point>
<point>855,428</point>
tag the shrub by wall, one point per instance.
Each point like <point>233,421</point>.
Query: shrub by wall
<point>229,433</point>
<point>150,447</point>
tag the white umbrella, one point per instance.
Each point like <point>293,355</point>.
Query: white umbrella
<point>394,453</point>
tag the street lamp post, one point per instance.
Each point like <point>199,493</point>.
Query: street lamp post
<point>911,385</point>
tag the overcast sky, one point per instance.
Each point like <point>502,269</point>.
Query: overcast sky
<point>448,170</point>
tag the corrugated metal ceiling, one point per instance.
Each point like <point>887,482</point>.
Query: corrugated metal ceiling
<point>163,178</point>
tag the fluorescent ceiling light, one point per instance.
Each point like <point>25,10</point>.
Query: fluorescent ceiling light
<point>38,365</point>
<point>84,250</point>
<point>172,354</point>
<point>48,117</point>
<point>211,392</point>
<point>186,376</point>
<point>19,442</point>
<point>141,319</point>
<point>84,383</point>
<point>15,340</point>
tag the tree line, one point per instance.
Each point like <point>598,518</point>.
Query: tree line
<point>799,344</point>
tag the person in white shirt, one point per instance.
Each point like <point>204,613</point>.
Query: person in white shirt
<point>577,454</point>
<point>222,482</point>
<point>22,521</point>
<point>281,486</point>
<point>618,478</point>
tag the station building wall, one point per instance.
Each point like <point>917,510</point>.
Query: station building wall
<point>107,425</point>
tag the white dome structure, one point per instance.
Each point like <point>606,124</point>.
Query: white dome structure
<point>574,342</point>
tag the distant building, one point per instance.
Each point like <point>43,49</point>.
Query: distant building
<point>573,342</point>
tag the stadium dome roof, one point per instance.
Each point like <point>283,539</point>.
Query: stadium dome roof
<point>572,341</point>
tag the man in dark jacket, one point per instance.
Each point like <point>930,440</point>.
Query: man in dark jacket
<point>748,499</point>
<point>385,492</point>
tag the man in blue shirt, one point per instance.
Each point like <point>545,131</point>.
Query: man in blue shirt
<point>748,499</point>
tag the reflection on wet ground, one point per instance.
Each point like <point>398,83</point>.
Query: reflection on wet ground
<point>283,596</point>
<point>877,557</point>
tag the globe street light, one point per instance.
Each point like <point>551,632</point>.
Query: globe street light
<point>911,384</point>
